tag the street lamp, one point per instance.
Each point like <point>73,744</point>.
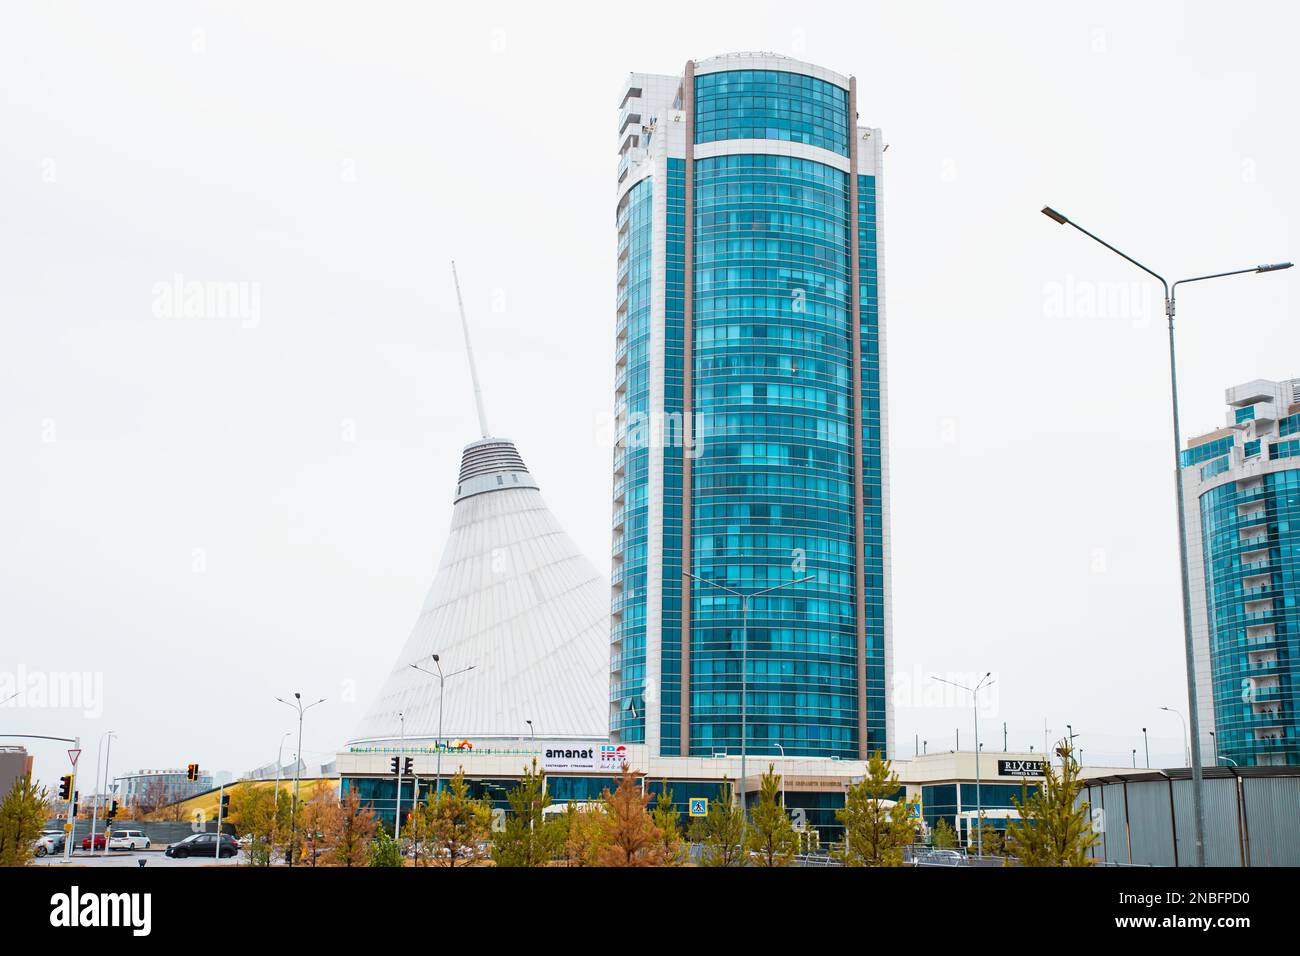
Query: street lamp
<point>782,749</point>
<point>401,751</point>
<point>279,764</point>
<point>442,686</point>
<point>745,598</point>
<point>1189,650</point>
<point>1187,748</point>
<point>1147,747</point>
<point>94,809</point>
<point>532,731</point>
<point>297,768</point>
<point>979,806</point>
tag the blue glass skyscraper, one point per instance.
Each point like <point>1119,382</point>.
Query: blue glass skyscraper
<point>1242,491</point>
<point>750,403</point>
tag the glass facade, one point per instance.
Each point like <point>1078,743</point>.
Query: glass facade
<point>631,464</point>
<point>770,104</point>
<point>773,477</point>
<point>772,495</point>
<point>1251,540</point>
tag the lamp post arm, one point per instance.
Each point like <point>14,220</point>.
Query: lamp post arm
<point>776,587</point>
<point>1217,275</point>
<point>720,587</point>
<point>1122,255</point>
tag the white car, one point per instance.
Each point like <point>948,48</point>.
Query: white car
<point>50,842</point>
<point>128,840</point>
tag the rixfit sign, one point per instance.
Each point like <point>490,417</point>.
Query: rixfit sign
<point>1021,768</point>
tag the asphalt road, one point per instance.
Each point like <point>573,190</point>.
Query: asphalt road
<point>152,858</point>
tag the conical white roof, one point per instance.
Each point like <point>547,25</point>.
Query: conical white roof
<point>515,599</point>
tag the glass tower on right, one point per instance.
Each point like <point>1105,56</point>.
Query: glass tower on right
<point>1242,494</point>
<point>751,512</point>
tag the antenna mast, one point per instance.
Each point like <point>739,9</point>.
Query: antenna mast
<point>469,352</point>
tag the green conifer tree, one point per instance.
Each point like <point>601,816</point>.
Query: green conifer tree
<point>22,817</point>
<point>667,820</point>
<point>460,825</point>
<point>877,825</point>
<point>722,832</point>
<point>384,850</point>
<point>1055,827</point>
<point>771,840</point>
<point>944,836</point>
<point>526,840</point>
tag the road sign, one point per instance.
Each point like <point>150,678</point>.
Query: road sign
<point>699,806</point>
<point>914,810</point>
<point>73,755</point>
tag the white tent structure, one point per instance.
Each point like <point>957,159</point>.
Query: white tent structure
<point>515,613</point>
<point>515,600</point>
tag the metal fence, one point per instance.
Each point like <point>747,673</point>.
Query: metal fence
<point>1252,817</point>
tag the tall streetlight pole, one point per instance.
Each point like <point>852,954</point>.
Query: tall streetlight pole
<point>442,686</point>
<point>94,808</point>
<point>1188,751</point>
<point>108,762</point>
<point>1146,746</point>
<point>782,749</point>
<point>279,763</point>
<point>297,772</point>
<point>745,598</point>
<point>979,805</point>
<point>1198,796</point>
<point>397,805</point>
<point>974,692</point>
<point>532,731</point>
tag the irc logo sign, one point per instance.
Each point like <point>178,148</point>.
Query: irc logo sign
<point>613,756</point>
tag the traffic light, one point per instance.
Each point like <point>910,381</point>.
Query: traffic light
<point>65,786</point>
<point>225,804</point>
<point>76,799</point>
<point>112,811</point>
<point>408,768</point>
<point>192,772</point>
<point>395,765</point>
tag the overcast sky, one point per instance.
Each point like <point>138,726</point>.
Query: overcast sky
<point>215,511</point>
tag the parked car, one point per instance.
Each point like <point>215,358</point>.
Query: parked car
<point>941,858</point>
<point>99,842</point>
<point>50,842</point>
<point>128,840</point>
<point>204,844</point>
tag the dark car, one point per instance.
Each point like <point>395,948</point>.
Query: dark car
<point>204,844</point>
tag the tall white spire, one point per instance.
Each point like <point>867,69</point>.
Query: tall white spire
<point>469,351</point>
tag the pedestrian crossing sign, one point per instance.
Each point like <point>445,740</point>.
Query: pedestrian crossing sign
<point>699,806</point>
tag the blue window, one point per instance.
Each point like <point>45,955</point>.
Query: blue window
<point>1253,620</point>
<point>1211,449</point>
<point>769,104</point>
